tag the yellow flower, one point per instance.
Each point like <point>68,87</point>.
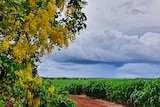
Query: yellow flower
<point>61,4</point>
<point>19,73</point>
<point>36,102</point>
<point>29,95</point>
<point>30,98</point>
<point>18,23</point>
<point>51,7</point>
<point>21,82</point>
<point>29,67</point>
<point>5,45</point>
<point>33,26</point>
<point>66,43</point>
<point>70,26</point>
<point>33,3</point>
<point>51,88</point>
<point>53,1</point>
<point>25,86</point>
<point>28,76</point>
<point>73,9</point>
<point>38,80</point>
<point>17,52</point>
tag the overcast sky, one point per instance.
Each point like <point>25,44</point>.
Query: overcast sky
<point>122,40</point>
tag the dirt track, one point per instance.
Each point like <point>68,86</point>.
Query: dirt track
<point>84,101</point>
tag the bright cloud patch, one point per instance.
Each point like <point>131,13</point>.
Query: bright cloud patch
<point>123,15</point>
<point>112,46</point>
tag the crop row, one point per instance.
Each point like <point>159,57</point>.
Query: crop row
<point>136,94</point>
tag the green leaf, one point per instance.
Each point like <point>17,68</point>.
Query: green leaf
<point>48,105</point>
<point>12,69</point>
<point>27,6</point>
<point>17,2</point>
<point>2,104</point>
<point>1,7</point>
<point>2,24</point>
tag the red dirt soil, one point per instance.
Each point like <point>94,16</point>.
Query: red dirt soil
<point>84,101</point>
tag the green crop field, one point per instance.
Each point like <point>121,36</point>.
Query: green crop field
<point>62,82</point>
<point>130,92</point>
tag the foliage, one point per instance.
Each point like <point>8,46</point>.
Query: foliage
<point>63,101</point>
<point>30,29</point>
<point>96,89</point>
<point>75,89</point>
<point>8,66</point>
<point>140,93</point>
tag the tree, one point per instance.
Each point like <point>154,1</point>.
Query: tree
<point>30,29</point>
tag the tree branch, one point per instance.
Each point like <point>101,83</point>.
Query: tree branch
<point>1,13</point>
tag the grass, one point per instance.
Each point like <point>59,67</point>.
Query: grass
<point>62,82</point>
